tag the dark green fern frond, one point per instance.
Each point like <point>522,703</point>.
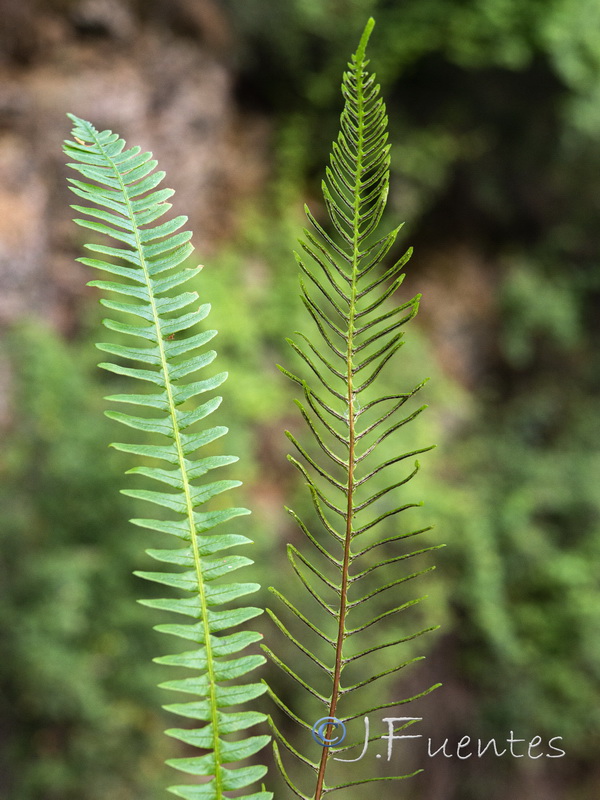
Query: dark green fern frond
<point>352,482</point>
<point>123,201</point>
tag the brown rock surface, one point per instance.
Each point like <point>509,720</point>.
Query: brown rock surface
<point>161,79</point>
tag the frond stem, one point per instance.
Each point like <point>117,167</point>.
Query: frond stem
<point>356,259</point>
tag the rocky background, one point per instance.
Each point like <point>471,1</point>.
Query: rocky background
<point>161,74</point>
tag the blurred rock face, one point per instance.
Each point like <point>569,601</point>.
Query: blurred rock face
<point>159,75</point>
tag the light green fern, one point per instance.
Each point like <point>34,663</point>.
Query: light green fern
<point>123,201</point>
<point>358,331</point>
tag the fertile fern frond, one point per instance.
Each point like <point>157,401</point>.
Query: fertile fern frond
<point>358,331</point>
<point>123,201</point>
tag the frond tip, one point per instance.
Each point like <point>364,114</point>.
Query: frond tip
<point>351,464</point>
<point>123,201</point>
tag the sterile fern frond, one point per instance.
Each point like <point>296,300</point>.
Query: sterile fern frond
<point>123,202</point>
<point>358,331</point>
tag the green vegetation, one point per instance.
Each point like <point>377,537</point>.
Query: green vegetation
<point>495,129</point>
<point>79,713</point>
<point>124,198</point>
<point>352,486</point>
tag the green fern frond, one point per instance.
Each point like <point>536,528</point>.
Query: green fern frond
<point>123,201</point>
<point>348,295</point>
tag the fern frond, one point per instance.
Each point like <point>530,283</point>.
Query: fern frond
<point>122,201</point>
<point>358,331</point>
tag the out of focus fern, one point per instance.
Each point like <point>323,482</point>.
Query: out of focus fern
<point>358,331</point>
<point>122,199</point>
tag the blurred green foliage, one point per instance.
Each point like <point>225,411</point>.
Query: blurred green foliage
<point>496,143</point>
<point>78,701</point>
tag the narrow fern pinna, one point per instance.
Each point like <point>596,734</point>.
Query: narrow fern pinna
<point>122,198</point>
<point>357,332</point>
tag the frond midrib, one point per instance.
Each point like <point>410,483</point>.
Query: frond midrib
<point>350,352</point>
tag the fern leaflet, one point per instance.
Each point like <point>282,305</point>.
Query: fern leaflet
<point>346,294</point>
<point>124,202</point>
